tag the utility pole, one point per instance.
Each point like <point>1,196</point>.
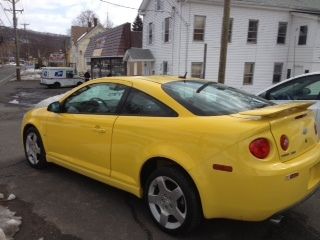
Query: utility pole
<point>25,26</point>
<point>224,42</point>
<point>26,50</point>
<point>15,23</point>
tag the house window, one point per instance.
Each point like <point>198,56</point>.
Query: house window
<point>167,28</point>
<point>230,30</point>
<point>288,73</point>
<point>165,68</point>
<point>196,69</point>
<point>150,35</point>
<point>253,31</point>
<point>199,28</point>
<point>303,35</point>
<point>248,73</point>
<point>282,32</point>
<point>277,72</point>
<point>159,5</point>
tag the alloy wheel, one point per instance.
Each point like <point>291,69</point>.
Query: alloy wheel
<point>167,202</point>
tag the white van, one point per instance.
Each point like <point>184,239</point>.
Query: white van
<point>59,77</point>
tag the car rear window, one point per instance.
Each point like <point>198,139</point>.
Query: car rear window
<point>204,98</point>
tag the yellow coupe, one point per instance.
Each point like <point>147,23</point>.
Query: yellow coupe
<point>190,148</point>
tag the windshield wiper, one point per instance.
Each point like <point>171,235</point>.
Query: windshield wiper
<point>204,86</point>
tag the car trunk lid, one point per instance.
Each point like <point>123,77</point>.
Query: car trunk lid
<point>294,121</point>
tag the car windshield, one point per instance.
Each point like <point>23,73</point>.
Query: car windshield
<point>204,98</point>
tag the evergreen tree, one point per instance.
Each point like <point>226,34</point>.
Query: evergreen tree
<point>137,25</point>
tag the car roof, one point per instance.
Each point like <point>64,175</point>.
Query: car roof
<point>57,68</point>
<point>288,80</point>
<point>160,79</point>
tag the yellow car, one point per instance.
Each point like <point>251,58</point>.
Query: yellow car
<point>190,148</point>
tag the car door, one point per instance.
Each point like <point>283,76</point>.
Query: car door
<point>80,136</point>
<point>305,88</point>
<point>143,124</point>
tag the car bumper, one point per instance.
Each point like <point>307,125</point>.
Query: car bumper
<point>255,194</point>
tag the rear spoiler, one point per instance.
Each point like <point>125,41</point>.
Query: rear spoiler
<point>281,109</point>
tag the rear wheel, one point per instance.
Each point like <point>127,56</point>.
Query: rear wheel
<point>172,200</point>
<point>34,150</point>
<point>79,83</point>
<point>56,85</point>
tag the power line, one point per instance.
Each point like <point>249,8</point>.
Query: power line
<point>119,5</point>
<point>3,9</point>
<point>131,8</point>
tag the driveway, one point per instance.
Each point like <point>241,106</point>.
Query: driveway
<point>56,203</point>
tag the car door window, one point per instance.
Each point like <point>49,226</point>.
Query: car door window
<point>95,99</point>
<point>304,88</point>
<point>142,104</point>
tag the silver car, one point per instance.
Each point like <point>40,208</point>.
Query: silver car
<point>304,87</point>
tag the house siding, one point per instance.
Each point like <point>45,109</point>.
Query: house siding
<point>264,54</point>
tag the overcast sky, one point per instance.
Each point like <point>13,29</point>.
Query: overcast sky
<point>56,16</point>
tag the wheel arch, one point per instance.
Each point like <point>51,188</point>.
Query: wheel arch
<point>155,162</point>
<point>28,126</point>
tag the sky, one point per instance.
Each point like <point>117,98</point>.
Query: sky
<point>55,16</point>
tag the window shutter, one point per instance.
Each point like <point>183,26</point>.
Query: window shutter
<point>170,29</point>
<point>163,29</point>
<point>153,33</point>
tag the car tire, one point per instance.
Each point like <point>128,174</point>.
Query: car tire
<point>172,200</point>
<point>56,85</point>
<point>33,148</point>
<point>79,83</point>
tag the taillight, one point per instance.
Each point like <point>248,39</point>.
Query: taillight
<point>284,142</point>
<point>260,148</point>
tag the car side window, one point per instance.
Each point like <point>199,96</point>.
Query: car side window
<point>102,98</point>
<point>304,88</point>
<point>141,104</point>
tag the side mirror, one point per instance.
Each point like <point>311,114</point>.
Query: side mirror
<point>54,107</point>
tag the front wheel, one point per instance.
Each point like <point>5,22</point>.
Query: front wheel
<point>34,149</point>
<point>172,200</point>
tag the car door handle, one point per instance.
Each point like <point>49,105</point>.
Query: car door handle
<point>98,129</point>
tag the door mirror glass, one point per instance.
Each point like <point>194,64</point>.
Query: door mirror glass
<point>54,107</point>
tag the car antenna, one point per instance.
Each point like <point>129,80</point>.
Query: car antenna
<point>184,76</point>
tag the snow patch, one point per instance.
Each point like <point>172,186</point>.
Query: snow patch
<point>14,101</point>
<point>11,197</point>
<point>9,223</point>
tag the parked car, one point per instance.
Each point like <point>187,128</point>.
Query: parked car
<point>304,87</point>
<point>189,148</point>
<point>60,77</point>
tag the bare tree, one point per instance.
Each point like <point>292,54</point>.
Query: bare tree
<point>85,18</point>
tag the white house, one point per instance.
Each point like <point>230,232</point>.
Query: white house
<point>80,38</point>
<point>268,40</point>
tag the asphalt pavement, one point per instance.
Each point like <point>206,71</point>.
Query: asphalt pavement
<point>7,72</point>
<point>56,203</point>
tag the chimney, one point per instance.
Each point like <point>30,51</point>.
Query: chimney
<point>95,22</point>
<point>89,24</point>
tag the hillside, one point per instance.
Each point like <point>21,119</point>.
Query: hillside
<point>33,44</point>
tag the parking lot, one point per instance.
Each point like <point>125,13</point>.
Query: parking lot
<point>56,203</point>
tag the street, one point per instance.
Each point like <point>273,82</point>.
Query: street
<point>6,72</point>
<point>56,203</point>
